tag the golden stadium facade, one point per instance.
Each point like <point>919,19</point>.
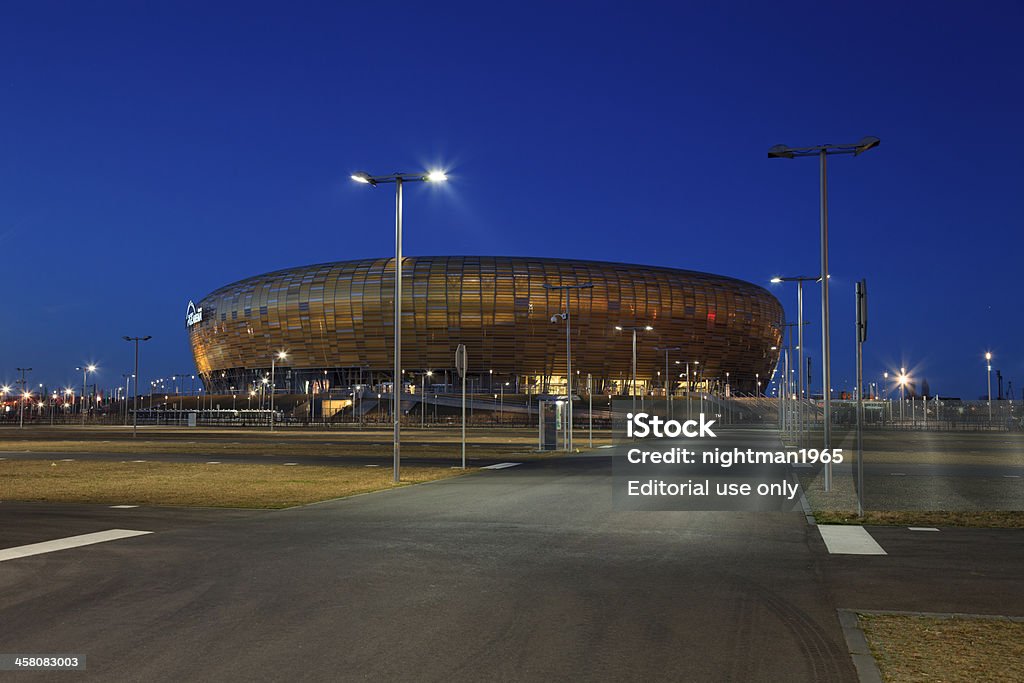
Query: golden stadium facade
<point>335,321</point>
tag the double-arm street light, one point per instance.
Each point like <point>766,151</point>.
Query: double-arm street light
<point>398,179</point>
<point>799,280</point>
<point>823,152</point>
<point>135,397</point>
<point>568,350</point>
<point>280,355</point>
<point>634,328</point>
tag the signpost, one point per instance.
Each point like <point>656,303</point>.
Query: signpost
<point>862,336</point>
<point>461,365</point>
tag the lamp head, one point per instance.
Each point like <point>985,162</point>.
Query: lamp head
<point>363,177</point>
<point>436,176</point>
<point>780,152</point>
<point>866,143</point>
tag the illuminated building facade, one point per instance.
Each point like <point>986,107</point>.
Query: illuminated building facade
<point>335,321</point>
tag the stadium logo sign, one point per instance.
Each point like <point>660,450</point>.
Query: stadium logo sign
<point>193,315</point>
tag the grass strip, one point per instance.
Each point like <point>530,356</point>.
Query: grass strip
<point>197,484</point>
<point>912,648</point>
<point>995,519</point>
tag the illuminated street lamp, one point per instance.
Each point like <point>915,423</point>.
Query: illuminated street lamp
<point>645,328</point>
<point>85,370</point>
<point>423,395</point>
<point>902,379</point>
<point>398,179</point>
<point>988,361</point>
<point>822,152</point>
<point>280,355</point>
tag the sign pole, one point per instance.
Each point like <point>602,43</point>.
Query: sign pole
<point>460,365</point>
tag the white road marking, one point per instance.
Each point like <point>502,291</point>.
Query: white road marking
<point>501,465</point>
<point>138,461</point>
<point>1012,476</point>
<point>213,462</point>
<point>123,507</point>
<point>67,460</point>
<point>841,539</point>
<point>897,474</point>
<point>291,463</point>
<point>66,543</point>
<point>372,465</point>
<point>607,446</point>
<point>922,528</point>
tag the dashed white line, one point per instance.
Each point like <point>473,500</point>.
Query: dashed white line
<point>1012,476</point>
<point>922,528</point>
<point>371,465</point>
<point>67,460</point>
<point>290,463</point>
<point>123,507</point>
<point>849,540</point>
<point>66,543</point>
<point>213,462</point>
<point>607,446</point>
<point>501,465</point>
<point>138,461</point>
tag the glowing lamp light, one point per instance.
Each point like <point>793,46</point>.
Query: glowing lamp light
<point>437,176</point>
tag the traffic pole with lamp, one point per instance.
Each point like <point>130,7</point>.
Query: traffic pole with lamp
<point>85,370</point>
<point>823,152</point>
<point>398,179</point>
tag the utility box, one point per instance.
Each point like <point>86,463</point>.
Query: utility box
<point>192,419</point>
<point>549,416</point>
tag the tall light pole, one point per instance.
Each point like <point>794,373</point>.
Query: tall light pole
<point>135,396</point>
<point>85,370</point>
<point>568,351</point>
<point>902,379</point>
<point>280,355</point>
<point>634,328</point>
<point>398,179</point>
<point>423,395</point>
<point>25,394</point>
<point>823,152</point>
<point>988,361</point>
<point>668,397</point>
<point>799,280</point>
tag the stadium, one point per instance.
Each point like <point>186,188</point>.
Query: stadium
<point>334,321</point>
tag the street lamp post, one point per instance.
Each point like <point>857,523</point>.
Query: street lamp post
<point>822,152</point>
<point>668,397</point>
<point>25,393</point>
<point>280,355</point>
<point>799,280</point>
<point>646,328</point>
<point>568,351</point>
<point>85,370</point>
<point>423,396</point>
<point>135,396</point>
<point>988,361</point>
<point>398,179</point>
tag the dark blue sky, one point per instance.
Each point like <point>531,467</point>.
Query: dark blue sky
<point>152,152</point>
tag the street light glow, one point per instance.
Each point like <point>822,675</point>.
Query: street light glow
<point>361,177</point>
<point>437,176</point>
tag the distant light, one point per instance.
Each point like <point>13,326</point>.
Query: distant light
<point>618,328</point>
<point>648,328</point>
<point>91,368</point>
<point>776,280</point>
<point>281,355</point>
<point>988,355</point>
<point>437,176</point>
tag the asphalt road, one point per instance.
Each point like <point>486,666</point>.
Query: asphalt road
<point>525,573</point>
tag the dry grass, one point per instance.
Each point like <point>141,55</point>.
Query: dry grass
<point>912,649</point>
<point>429,443</point>
<point>995,519</point>
<point>193,484</point>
